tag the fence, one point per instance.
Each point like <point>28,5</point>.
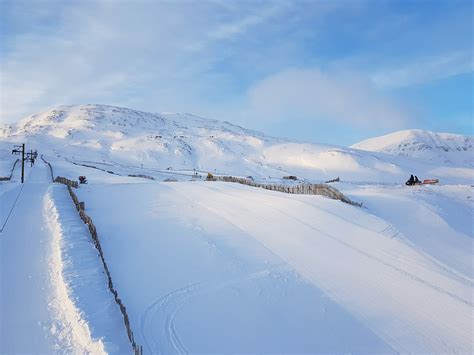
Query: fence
<point>137,349</point>
<point>66,181</point>
<point>8,178</point>
<point>92,167</point>
<point>305,189</point>
<point>50,167</point>
<point>142,176</point>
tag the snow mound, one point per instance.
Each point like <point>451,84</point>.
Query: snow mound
<point>446,148</point>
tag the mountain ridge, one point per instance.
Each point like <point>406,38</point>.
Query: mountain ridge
<point>185,141</point>
<point>447,148</point>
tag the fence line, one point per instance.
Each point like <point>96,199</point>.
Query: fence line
<point>93,231</point>
<point>137,349</point>
<point>66,181</point>
<point>304,189</point>
<point>50,167</point>
<point>91,166</point>
<point>8,178</point>
<point>142,176</point>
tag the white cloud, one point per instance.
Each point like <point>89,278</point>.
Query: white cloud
<point>425,70</point>
<point>119,52</point>
<point>311,94</point>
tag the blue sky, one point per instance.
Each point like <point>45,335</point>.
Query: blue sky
<point>323,71</point>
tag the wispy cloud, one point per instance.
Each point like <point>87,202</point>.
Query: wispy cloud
<point>244,24</point>
<point>229,59</point>
<point>320,96</point>
<point>425,70</point>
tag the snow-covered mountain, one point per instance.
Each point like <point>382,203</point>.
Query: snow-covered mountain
<point>445,148</point>
<point>238,267</point>
<point>176,141</point>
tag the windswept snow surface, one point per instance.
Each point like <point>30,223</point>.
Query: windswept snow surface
<point>211,267</point>
<point>220,267</point>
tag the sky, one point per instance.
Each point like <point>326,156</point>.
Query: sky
<point>315,70</point>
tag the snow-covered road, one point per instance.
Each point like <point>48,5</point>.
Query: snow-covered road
<point>24,274</point>
<point>51,279</point>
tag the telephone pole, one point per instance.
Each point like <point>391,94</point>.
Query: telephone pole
<point>23,163</point>
<point>20,149</point>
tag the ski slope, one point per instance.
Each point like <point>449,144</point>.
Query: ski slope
<point>213,267</point>
<point>200,262</point>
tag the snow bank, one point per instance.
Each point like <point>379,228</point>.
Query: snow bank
<point>86,318</point>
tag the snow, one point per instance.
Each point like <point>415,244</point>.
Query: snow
<point>158,141</point>
<point>203,241</point>
<point>25,245</point>
<point>89,320</point>
<point>52,282</point>
<point>206,281</point>
<point>72,332</point>
<point>213,267</point>
<point>443,148</point>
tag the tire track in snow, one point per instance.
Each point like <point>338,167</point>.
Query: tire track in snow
<point>462,278</point>
<point>154,307</point>
<point>175,301</point>
<point>427,326</point>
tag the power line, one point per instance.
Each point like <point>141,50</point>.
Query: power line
<point>13,207</point>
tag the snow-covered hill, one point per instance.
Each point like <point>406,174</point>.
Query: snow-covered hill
<point>215,267</point>
<point>444,148</point>
<point>175,141</point>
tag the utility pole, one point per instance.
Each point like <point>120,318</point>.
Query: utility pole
<point>23,163</point>
<point>20,149</point>
<point>31,156</point>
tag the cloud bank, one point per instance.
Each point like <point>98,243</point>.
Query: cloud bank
<point>314,95</point>
<point>252,63</point>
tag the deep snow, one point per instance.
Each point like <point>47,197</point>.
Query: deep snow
<point>220,267</point>
<point>203,244</point>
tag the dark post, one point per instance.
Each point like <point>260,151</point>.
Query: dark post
<point>23,163</point>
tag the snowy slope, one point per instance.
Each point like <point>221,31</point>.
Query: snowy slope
<point>209,267</point>
<point>131,138</point>
<point>212,267</point>
<point>442,148</point>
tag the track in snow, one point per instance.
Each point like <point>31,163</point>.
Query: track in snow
<point>373,276</point>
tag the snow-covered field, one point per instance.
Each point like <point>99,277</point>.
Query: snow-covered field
<point>213,267</point>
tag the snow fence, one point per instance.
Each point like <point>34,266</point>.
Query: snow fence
<point>8,178</point>
<point>304,189</point>
<point>137,349</point>
<point>93,231</point>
